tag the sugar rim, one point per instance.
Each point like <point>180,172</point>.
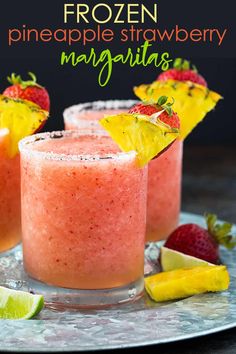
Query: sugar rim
<point>24,147</point>
<point>70,113</point>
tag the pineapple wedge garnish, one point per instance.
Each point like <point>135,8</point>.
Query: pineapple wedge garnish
<point>21,118</point>
<point>182,283</point>
<point>192,101</point>
<point>135,132</point>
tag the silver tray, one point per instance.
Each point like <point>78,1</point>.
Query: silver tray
<point>132,325</point>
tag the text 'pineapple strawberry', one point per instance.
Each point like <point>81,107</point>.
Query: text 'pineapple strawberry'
<point>147,129</point>
<point>193,100</point>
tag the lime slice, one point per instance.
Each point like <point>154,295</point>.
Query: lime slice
<point>21,118</point>
<point>171,259</point>
<point>146,135</point>
<point>19,305</point>
<point>192,101</point>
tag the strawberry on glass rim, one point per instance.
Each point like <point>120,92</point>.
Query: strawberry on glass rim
<point>202,243</point>
<point>193,99</point>
<point>182,71</point>
<point>147,128</point>
<point>28,90</point>
<point>161,110</point>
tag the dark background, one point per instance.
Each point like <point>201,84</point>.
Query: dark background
<point>68,85</point>
<point>210,173</point>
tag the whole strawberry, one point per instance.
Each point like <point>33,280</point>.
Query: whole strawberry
<point>196,241</point>
<point>182,71</point>
<point>160,111</point>
<point>28,90</point>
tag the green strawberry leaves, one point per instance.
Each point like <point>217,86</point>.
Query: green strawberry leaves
<point>222,233</point>
<point>17,80</point>
<point>167,106</point>
<point>183,64</point>
<point>162,100</point>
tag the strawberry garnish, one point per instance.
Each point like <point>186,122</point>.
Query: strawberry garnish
<point>143,108</point>
<point>161,111</point>
<point>182,71</point>
<point>202,243</point>
<point>28,90</point>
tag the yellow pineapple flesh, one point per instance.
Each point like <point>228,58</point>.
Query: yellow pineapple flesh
<point>182,283</point>
<point>21,118</point>
<point>192,101</point>
<point>148,136</point>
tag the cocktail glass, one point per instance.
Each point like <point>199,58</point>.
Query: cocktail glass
<point>86,115</point>
<point>164,175</point>
<point>83,217</point>
<point>10,216</point>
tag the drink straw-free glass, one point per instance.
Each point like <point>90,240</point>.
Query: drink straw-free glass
<point>83,216</point>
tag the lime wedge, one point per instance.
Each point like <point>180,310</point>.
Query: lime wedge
<point>148,136</point>
<point>19,305</point>
<point>171,260</point>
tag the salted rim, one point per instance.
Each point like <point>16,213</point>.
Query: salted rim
<point>70,113</point>
<point>4,132</point>
<point>24,147</point>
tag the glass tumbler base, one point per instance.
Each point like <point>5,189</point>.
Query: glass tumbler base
<point>65,299</point>
<point>9,251</point>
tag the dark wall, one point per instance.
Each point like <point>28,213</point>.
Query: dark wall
<point>69,85</point>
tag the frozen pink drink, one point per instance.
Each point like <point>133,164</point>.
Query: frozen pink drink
<point>83,211</point>
<point>164,173</point>
<point>164,192</point>
<point>10,216</point>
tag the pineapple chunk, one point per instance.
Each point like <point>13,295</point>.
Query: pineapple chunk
<point>182,283</point>
<point>192,101</point>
